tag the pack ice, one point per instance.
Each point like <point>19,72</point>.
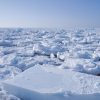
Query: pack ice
<point>49,64</point>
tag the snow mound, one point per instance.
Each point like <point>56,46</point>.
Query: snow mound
<point>46,83</point>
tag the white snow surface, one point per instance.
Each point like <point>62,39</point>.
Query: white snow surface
<point>75,52</point>
<point>46,82</point>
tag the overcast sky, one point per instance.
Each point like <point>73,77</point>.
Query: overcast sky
<point>49,13</point>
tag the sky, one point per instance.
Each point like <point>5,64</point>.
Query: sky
<point>49,13</point>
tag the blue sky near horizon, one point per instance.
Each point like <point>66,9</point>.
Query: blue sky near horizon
<point>49,13</point>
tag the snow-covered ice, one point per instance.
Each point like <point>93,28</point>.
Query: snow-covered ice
<point>74,52</point>
<point>46,82</point>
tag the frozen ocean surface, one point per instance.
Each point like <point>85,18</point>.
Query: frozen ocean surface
<point>73,53</point>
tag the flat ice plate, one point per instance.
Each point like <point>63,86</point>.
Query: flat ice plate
<point>51,83</point>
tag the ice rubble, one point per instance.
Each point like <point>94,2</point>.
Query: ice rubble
<point>75,50</point>
<point>5,96</point>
